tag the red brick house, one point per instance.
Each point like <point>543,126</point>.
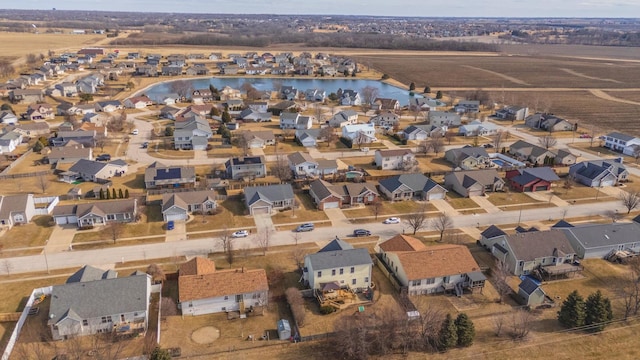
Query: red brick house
<point>332,196</point>
<point>531,180</point>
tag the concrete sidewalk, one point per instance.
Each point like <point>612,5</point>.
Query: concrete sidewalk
<point>485,204</point>
<point>547,197</point>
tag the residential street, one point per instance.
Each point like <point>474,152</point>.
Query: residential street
<point>110,256</point>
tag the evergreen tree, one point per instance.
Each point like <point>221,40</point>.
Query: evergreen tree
<point>439,95</point>
<point>214,111</point>
<point>160,354</point>
<point>226,118</point>
<point>168,131</point>
<point>120,194</point>
<point>126,193</point>
<point>37,147</point>
<point>427,90</point>
<point>598,312</point>
<point>572,311</point>
<point>113,193</point>
<point>466,330</point>
<point>108,194</point>
<point>412,86</point>
<point>448,333</point>
<point>101,194</point>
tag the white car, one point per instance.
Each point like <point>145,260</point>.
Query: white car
<point>240,234</point>
<point>134,132</point>
<point>392,220</point>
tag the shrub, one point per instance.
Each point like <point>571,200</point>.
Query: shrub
<point>296,302</point>
<point>326,310</point>
<point>347,142</point>
<point>385,76</point>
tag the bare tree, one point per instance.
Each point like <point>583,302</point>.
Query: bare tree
<point>288,133</point>
<point>497,140</point>
<point>6,69</point>
<point>157,274</point>
<point>43,183</point>
<point>441,224</point>
<point>500,274</point>
<point>296,303</point>
<point>115,230</point>
<point>630,199</point>
<point>297,255</point>
<point>369,94</point>
<point>281,169</point>
<point>181,87</point>
<point>240,141</point>
<point>521,321</point>
<point>547,141</point>
<point>361,138</point>
<point>318,113</point>
<point>101,141</point>
<point>449,135</point>
<point>498,324</point>
<point>376,207</point>
<point>263,240</point>
<point>418,219</point>
<point>436,145</point>
<point>327,134</point>
<point>227,245</point>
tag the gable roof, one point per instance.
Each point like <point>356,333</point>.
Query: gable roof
<point>184,199</point>
<point>530,245</point>
<point>437,261</point>
<point>13,203</point>
<point>157,171</point>
<point>620,136</point>
<point>299,157</point>
<point>528,285</point>
<point>415,181</point>
<point>336,245</point>
<point>94,299</point>
<point>86,166</point>
<point>562,224</point>
<point>468,178</point>
<point>340,258</point>
<point>90,273</point>
<point>197,266</point>
<point>604,235</point>
<point>402,243</point>
<point>492,231</point>
<point>268,193</point>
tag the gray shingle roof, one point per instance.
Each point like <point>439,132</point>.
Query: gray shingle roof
<point>85,166</point>
<point>94,299</point>
<point>12,203</point>
<point>416,182</point>
<point>90,273</point>
<point>529,246</point>
<point>620,136</point>
<point>341,258</point>
<point>596,235</point>
<point>269,193</point>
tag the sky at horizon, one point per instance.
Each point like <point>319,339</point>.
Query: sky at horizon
<point>426,8</point>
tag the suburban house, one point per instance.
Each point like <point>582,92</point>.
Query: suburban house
<point>468,157</point>
<point>67,89</point>
<point>385,104</point>
<point>531,179</point>
<point>524,151</point>
<point>342,118</point>
<point>39,112</point>
<point>360,133</point>
<point>350,98</point>
<point>522,253</point>
<point>259,139</point>
<point>530,293</point>
<point>395,159</point>
<point>548,122</point>
<point>202,289</point>
<point>423,270</point>
<point>599,240</point>
<point>387,120</point>
<point>16,209</point>
<point>158,176</point>
<point>178,206</point>
<point>410,187</point>
<point>9,141</point>
<point>193,133</point>
<point>478,128</point>
<point>315,95</point>
<point>513,113</point>
<point>308,138</point>
<point>626,144</point>
<point>169,112</point>
<point>96,171</point>
<point>423,132</point>
<point>332,196</point>
<point>564,157</point>
<point>302,164</point>
<point>473,182</point>
<point>69,154</point>
<point>249,114</point>
<point>171,70</point>
<point>338,265</point>
<point>440,118</point>
<point>96,213</point>
<point>26,96</point>
<point>599,173</point>
<point>138,102</point>
<point>467,106</point>
<point>31,129</point>
<point>98,304</point>
<point>265,199</point>
<point>425,104</point>
<point>109,106</point>
<point>246,167</point>
<point>7,117</point>
<point>293,120</point>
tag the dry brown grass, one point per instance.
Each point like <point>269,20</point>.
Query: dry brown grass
<point>13,44</point>
<point>34,234</point>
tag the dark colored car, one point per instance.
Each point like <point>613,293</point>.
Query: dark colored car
<point>103,157</point>
<point>361,232</point>
<point>170,225</point>
<point>145,145</point>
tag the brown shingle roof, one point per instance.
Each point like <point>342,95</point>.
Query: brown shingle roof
<point>220,283</point>
<point>197,266</point>
<point>437,261</point>
<point>402,243</point>
<point>395,152</point>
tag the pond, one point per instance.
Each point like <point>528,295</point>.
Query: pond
<point>328,85</point>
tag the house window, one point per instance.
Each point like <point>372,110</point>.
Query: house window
<point>127,216</point>
<point>85,322</point>
<point>333,272</point>
<point>353,281</point>
<point>319,273</point>
<point>226,297</point>
<point>122,318</point>
<point>111,217</point>
<point>224,308</point>
<point>353,269</point>
<point>366,280</point>
<point>103,319</point>
<point>209,206</point>
<point>416,282</point>
<point>190,304</point>
<point>341,271</point>
<point>430,281</point>
<point>109,319</point>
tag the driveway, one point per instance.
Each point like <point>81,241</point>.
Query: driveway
<point>444,207</point>
<point>61,238</point>
<point>179,232</point>
<point>548,197</point>
<point>263,223</point>
<point>337,217</point>
<point>485,204</point>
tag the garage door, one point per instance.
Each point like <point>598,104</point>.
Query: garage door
<point>176,217</point>
<point>435,196</point>
<point>61,220</point>
<point>475,193</point>
<point>542,188</point>
<point>331,205</point>
<point>607,183</point>
<point>260,210</point>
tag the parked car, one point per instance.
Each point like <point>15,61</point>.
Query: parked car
<point>145,144</point>
<point>240,234</point>
<point>103,157</point>
<point>361,232</point>
<point>392,220</point>
<point>134,132</point>
<point>170,225</point>
<point>305,227</point>
<point>487,146</point>
<point>585,136</point>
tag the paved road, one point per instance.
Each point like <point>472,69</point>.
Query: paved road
<point>114,255</point>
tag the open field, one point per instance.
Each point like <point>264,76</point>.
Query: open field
<point>13,44</point>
